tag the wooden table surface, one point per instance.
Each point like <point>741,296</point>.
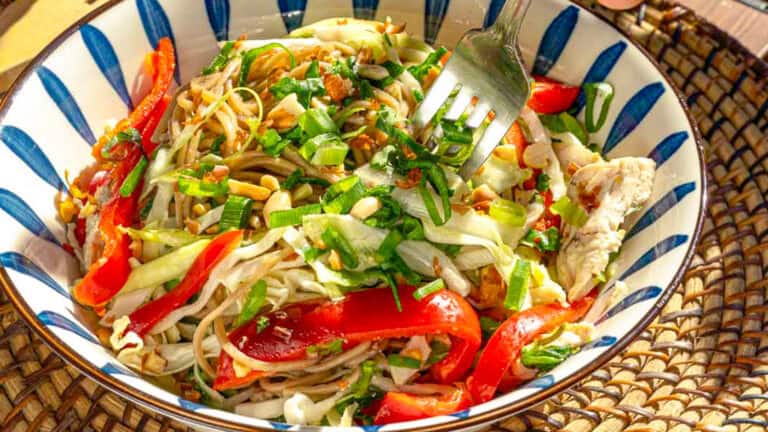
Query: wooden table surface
<point>26,26</point>
<point>744,23</point>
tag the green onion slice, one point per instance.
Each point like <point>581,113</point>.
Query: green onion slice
<point>508,212</point>
<point>133,178</point>
<point>430,288</point>
<point>202,189</point>
<point>571,213</point>
<point>281,218</point>
<point>517,288</point>
<point>236,211</point>
<point>592,91</point>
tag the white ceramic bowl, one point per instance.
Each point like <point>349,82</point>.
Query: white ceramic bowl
<point>91,74</point>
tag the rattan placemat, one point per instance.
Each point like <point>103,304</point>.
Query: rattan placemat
<point>702,365</point>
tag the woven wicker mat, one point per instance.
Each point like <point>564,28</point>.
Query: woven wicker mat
<point>701,366</point>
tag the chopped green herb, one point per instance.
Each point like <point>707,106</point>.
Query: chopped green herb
<point>333,239</point>
<point>313,71</point>
<point>251,55</point>
<point>272,143</point>
<point>542,182</point>
<point>545,241</point>
<point>420,71</point>
<point>304,89</point>
<point>401,361</point>
<point>438,351</point>
<point>171,284</point>
<point>216,144</point>
<point>544,358</point>
<point>253,303</point>
<point>261,324</point>
<point>333,347</point>
<point>221,59</point>
<point>488,326</point>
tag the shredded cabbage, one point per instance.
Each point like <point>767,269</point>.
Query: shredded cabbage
<point>167,267</point>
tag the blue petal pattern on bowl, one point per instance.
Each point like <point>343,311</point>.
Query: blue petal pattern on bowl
<point>654,253</point>
<point>218,17</point>
<point>22,145</point>
<point>104,56</point>
<point>555,38</point>
<point>632,114</point>
<point>18,209</point>
<point>22,264</point>
<point>647,293</point>
<point>662,152</point>
<point>661,207</point>
<point>66,103</point>
<point>561,30</point>
<point>54,319</point>
<point>599,70</point>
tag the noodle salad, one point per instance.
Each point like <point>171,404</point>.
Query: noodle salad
<point>276,240</point>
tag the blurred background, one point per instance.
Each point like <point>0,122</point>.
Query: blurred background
<point>26,26</point>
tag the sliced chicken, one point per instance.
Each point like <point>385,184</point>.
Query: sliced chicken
<point>609,191</point>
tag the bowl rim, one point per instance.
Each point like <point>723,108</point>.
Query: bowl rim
<point>208,420</point>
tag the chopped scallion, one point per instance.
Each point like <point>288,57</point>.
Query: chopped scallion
<point>401,361</point>
<point>507,212</point>
<point>571,212</point>
<point>237,209</point>
<point>430,288</point>
<point>281,218</point>
<point>591,93</point>
<point>133,178</point>
<point>517,288</point>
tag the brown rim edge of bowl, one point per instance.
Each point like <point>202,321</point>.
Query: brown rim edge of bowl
<point>204,420</point>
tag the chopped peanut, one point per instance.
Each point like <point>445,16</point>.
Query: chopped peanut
<point>365,207</point>
<point>483,193</point>
<point>252,191</point>
<point>270,182</point>
<point>334,259</point>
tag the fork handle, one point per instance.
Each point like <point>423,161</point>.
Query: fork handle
<point>509,21</point>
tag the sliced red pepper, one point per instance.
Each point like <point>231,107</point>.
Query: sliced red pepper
<point>152,122</point>
<point>361,316</point>
<point>165,64</point>
<point>400,407</point>
<point>504,347</point>
<point>107,276</point>
<point>551,97</point>
<point>144,318</point>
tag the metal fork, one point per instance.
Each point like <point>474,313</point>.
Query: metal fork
<point>487,65</point>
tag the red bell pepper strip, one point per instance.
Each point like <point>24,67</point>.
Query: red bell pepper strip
<point>399,407</point>
<point>164,60</point>
<point>504,347</point>
<point>360,317</point>
<point>551,97</point>
<point>144,318</point>
<point>107,276</point>
<point>152,122</point>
